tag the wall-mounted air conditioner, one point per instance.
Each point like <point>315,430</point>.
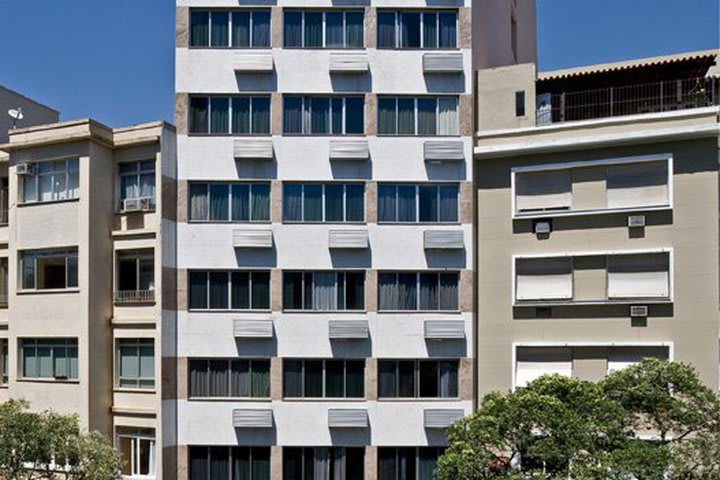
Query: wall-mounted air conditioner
<point>638,311</point>
<point>25,168</point>
<point>142,204</point>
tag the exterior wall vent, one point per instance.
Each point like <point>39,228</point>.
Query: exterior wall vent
<point>253,149</point>
<point>638,311</point>
<point>443,62</point>
<point>441,417</point>
<point>252,418</point>
<point>348,239</point>
<point>443,239</point>
<point>253,238</point>
<point>253,62</point>
<point>444,151</point>
<point>444,329</point>
<point>349,63</point>
<point>349,330</point>
<point>347,418</point>
<point>252,328</point>
<point>635,221</point>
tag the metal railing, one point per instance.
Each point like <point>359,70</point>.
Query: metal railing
<point>134,296</point>
<point>655,97</point>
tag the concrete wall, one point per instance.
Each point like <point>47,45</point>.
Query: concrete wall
<point>492,33</point>
<point>34,113</point>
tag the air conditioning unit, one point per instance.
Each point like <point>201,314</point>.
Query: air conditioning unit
<point>25,168</point>
<point>638,311</point>
<point>543,226</point>
<point>145,203</point>
<point>636,221</point>
<point>131,205</point>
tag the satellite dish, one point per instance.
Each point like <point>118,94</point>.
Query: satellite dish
<point>16,113</point>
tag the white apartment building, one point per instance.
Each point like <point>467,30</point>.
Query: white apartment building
<point>325,325</point>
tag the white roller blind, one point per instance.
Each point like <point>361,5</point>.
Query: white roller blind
<point>537,191</point>
<point>543,279</point>
<point>639,276</point>
<point>637,185</point>
<point>535,362</point>
<point>620,358</point>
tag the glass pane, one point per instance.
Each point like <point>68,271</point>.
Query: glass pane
<point>334,379</point>
<point>241,115</point>
<point>448,123</point>
<point>410,30</point>
<point>355,379</point>
<point>387,203</point>
<point>261,378</point>
<point>406,378</point>
<point>449,291</point>
<point>448,372</point>
<point>146,273</point>
<point>198,462</point>
<point>387,464</point>
<point>354,115</point>
<point>388,291</point>
<point>261,115</point>
<point>430,30</point>
<point>260,290</point>
<point>198,289</point>
<point>30,188</point>
<point>292,378</point>
<point>387,379</point>
<point>219,463</point>
<point>292,290</point>
<point>313,378</point>
<point>427,463</point>
<point>241,202</point>
<point>387,118</point>
<point>354,27</point>
<point>260,203</point>
<point>199,29</point>
<point>219,202</point>
<point>320,115</point>
<point>448,30</point>
<point>449,203</point>
<point>198,115</point>
<point>337,116</point>
<point>240,381</point>
<point>129,363</point>
<point>427,118</point>
<point>354,203</point>
<point>428,291</point>
<point>241,29</point>
<point>292,463</point>
<point>219,29</point>
<point>334,203</point>
<point>147,362</point>
<point>428,379</point>
<point>354,290</point>
<point>60,363</point>
<point>72,270</point>
<point>241,463</point>
<point>30,361</point>
<point>240,290</point>
<point>406,211</point>
<point>199,204</point>
<point>218,290</point>
<point>292,202</point>
<point>219,376</point>
<point>293,29</point>
<point>386,30</point>
<point>198,378</point>
<point>219,118</point>
<point>261,29</point>
<point>407,291</point>
<point>428,203</point>
<point>313,29</point>
<point>45,362</point>
<point>312,208</point>
<point>334,32</point>
<point>406,116</point>
<point>292,114</point>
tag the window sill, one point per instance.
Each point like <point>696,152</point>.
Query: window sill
<point>229,135</point>
<point>580,213</point>
<point>230,399</point>
<point>229,222</point>
<point>571,303</point>
<point>323,400</point>
<point>418,136</point>
<point>297,222</point>
<point>420,49</point>
<point>48,291</point>
<point>135,212</point>
<point>148,303</point>
<point>49,380</point>
<point>323,135</point>
<point>422,312</point>
<point>421,224</point>
<point>4,386</point>
<point>418,399</point>
<point>332,312</point>
<point>230,48</point>
<point>47,202</point>
<point>206,310</point>
<point>148,391</point>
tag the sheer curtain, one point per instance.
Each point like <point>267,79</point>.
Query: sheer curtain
<point>430,30</point>
<point>410,30</point>
<point>241,115</point>
<point>321,464</point>
<point>354,203</point>
<point>240,379</point>
<point>427,117</point>
<point>219,29</point>
<point>293,29</point>
<point>312,202</point>
<point>241,202</point>
<point>334,203</point>
<point>219,290</point>
<point>292,202</point>
<point>199,28</point>
<point>388,291</point>
<point>219,115</point>
<point>387,119</point>
<point>260,379</point>
<point>354,24</point>
<point>261,29</point>
<point>448,372</point>
<point>339,466</point>
<point>199,115</point>
<point>334,31</point>
<point>198,202</point>
<point>428,291</point>
<point>313,29</point>
<point>324,291</point>
<point>449,203</point>
<point>218,378</point>
<point>407,283</point>
<point>448,116</point>
<point>386,30</point>
<point>387,203</point>
<point>129,187</point>
<point>320,115</point>
<point>387,379</point>
<point>261,463</point>
<point>198,290</point>
<point>448,291</point>
<point>427,464</point>
<point>219,463</point>
<point>260,290</point>
<point>260,203</point>
<point>219,199</point>
<point>406,116</point>
<point>241,29</point>
<point>292,114</point>
<point>406,203</point>
<point>292,378</point>
<point>260,116</point>
<point>241,463</point>
<point>448,30</point>
<point>198,462</point>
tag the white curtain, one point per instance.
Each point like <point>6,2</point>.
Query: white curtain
<point>637,185</point>
<point>322,464</point>
<point>543,279</point>
<point>324,291</point>
<point>536,191</point>
<point>338,463</point>
<point>639,276</point>
<point>448,118</point>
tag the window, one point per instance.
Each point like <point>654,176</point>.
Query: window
<point>644,275</point>
<point>324,291</point>
<point>425,203</point>
<point>594,186</point>
<point>323,463</point>
<point>4,361</point>
<point>426,116</point>
<point>418,291</point>
<point>534,362</point>
<point>229,463</point>
<point>230,202</point>
<point>323,115</point>
<point>233,378</point>
<point>324,378</point>
<point>135,276</point>
<point>318,29</point>
<point>413,29</point>
<point>135,363</point>
<point>3,282</point>
<point>408,463</point>
<point>4,200</point>
<point>49,358</point>
<point>520,103</point>
<point>137,181</point>
<point>236,115</point>
<point>235,290</point>
<point>49,269</point>
<point>137,449</point>
<point>418,378</point>
<point>544,279</point>
<point>620,358</point>
<point>52,181</point>
<point>238,28</point>
<point>318,202</point>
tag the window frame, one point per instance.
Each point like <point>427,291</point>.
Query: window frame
<point>138,257</point>
<point>324,395</point>
<point>229,286</point>
<point>4,359</point>
<point>418,362</point>
<point>416,100</point>
<point>251,361</point>
<point>136,436</point>
<point>230,198</point>
<point>418,450</point>
<point>417,220</point>
<point>344,12</point>
<point>338,285</point>
<point>208,132</point>
<point>52,343</point>
<point>398,13</point>
<point>232,450</point>
<point>619,161</point>
<point>137,174</point>
<point>307,454</point>
<point>137,344</point>
<point>71,172</point>
<point>306,114</point>
<point>418,275</point>
<point>67,253</point>
<point>229,12</point>
<point>323,200</point>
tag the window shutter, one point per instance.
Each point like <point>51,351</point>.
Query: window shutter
<point>639,276</point>
<point>637,185</point>
<point>533,363</point>
<point>620,358</point>
<point>538,191</point>
<point>544,279</point>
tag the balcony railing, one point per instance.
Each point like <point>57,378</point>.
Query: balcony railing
<point>655,97</point>
<point>128,297</point>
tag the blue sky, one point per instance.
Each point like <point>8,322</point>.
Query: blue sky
<point>113,59</point>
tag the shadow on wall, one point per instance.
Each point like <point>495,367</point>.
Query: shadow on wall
<point>256,169</point>
<point>446,171</point>
<point>445,82</point>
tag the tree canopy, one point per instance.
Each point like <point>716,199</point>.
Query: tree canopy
<point>653,420</point>
<point>47,445</point>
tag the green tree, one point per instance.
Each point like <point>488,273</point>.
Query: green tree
<point>47,445</point>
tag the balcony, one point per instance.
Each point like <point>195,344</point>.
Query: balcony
<point>663,96</point>
<point>133,297</point>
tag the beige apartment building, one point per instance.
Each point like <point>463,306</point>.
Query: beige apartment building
<point>87,273</point>
<point>597,218</point>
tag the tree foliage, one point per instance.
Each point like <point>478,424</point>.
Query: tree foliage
<point>654,420</point>
<point>48,445</point>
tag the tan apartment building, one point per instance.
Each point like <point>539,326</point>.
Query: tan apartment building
<point>597,225</point>
<point>87,266</point>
